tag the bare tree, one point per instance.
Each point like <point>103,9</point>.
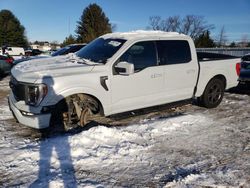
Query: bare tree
<point>222,38</point>
<point>113,27</point>
<point>171,24</point>
<point>191,25</point>
<point>155,22</point>
<point>194,26</point>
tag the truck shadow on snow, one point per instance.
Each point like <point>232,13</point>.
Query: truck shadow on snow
<point>140,116</point>
<point>242,89</point>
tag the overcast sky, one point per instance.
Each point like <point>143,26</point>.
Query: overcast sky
<point>53,20</point>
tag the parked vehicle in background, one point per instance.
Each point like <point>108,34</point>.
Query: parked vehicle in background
<point>244,77</point>
<point>15,51</point>
<point>62,51</point>
<point>115,73</point>
<point>6,63</point>
<point>72,48</point>
<point>28,58</point>
<point>33,52</point>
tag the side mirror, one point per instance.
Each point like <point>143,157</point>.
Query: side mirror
<point>124,68</point>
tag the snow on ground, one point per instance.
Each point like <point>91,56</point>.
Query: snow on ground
<point>197,147</point>
<point>4,109</point>
<point>4,85</point>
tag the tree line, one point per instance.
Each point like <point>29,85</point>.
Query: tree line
<point>194,26</point>
<point>11,31</point>
<point>94,23</point>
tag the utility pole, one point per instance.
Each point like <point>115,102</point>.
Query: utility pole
<point>69,26</point>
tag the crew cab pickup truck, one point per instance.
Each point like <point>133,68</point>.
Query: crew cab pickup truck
<point>116,73</point>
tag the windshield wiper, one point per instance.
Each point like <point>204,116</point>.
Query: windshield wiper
<point>86,61</point>
<point>104,61</point>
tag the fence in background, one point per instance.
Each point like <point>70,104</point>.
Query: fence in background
<point>239,52</point>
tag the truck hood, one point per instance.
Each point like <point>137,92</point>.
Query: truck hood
<point>33,70</point>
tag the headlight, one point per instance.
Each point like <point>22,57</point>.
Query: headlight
<point>35,94</point>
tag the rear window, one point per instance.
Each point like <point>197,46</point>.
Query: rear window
<point>173,52</point>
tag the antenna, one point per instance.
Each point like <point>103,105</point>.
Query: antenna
<point>69,26</point>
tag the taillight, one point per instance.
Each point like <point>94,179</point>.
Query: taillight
<point>238,66</point>
<point>9,60</point>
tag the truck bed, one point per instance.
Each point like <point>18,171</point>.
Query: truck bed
<point>225,66</point>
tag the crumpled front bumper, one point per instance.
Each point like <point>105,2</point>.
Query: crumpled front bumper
<point>37,121</point>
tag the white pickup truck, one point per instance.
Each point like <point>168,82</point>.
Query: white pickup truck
<point>116,73</point>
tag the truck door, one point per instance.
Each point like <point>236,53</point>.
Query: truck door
<point>142,88</point>
<point>181,71</point>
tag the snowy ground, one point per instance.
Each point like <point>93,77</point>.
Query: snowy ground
<point>182,147</point>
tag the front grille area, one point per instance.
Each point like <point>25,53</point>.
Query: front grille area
<point>18,89</point>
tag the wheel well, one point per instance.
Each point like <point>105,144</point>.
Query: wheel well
<point>101,110</point>
<point>220,77</point>
<point>201,100</point>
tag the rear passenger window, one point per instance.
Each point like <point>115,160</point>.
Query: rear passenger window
<point>173,52</point>
<point>141,54</point>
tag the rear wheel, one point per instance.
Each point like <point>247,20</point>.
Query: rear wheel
<point>74,111</point>
<point>213,93</point>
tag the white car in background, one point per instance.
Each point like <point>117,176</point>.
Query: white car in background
<point>14,51</point>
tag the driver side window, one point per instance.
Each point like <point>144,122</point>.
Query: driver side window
<point>141,54</point>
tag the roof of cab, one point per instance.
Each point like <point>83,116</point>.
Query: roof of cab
<point>143,34</point>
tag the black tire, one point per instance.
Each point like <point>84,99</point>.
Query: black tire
<point>213,93</point>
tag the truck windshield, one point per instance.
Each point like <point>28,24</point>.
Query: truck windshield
<point>100,49</point>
